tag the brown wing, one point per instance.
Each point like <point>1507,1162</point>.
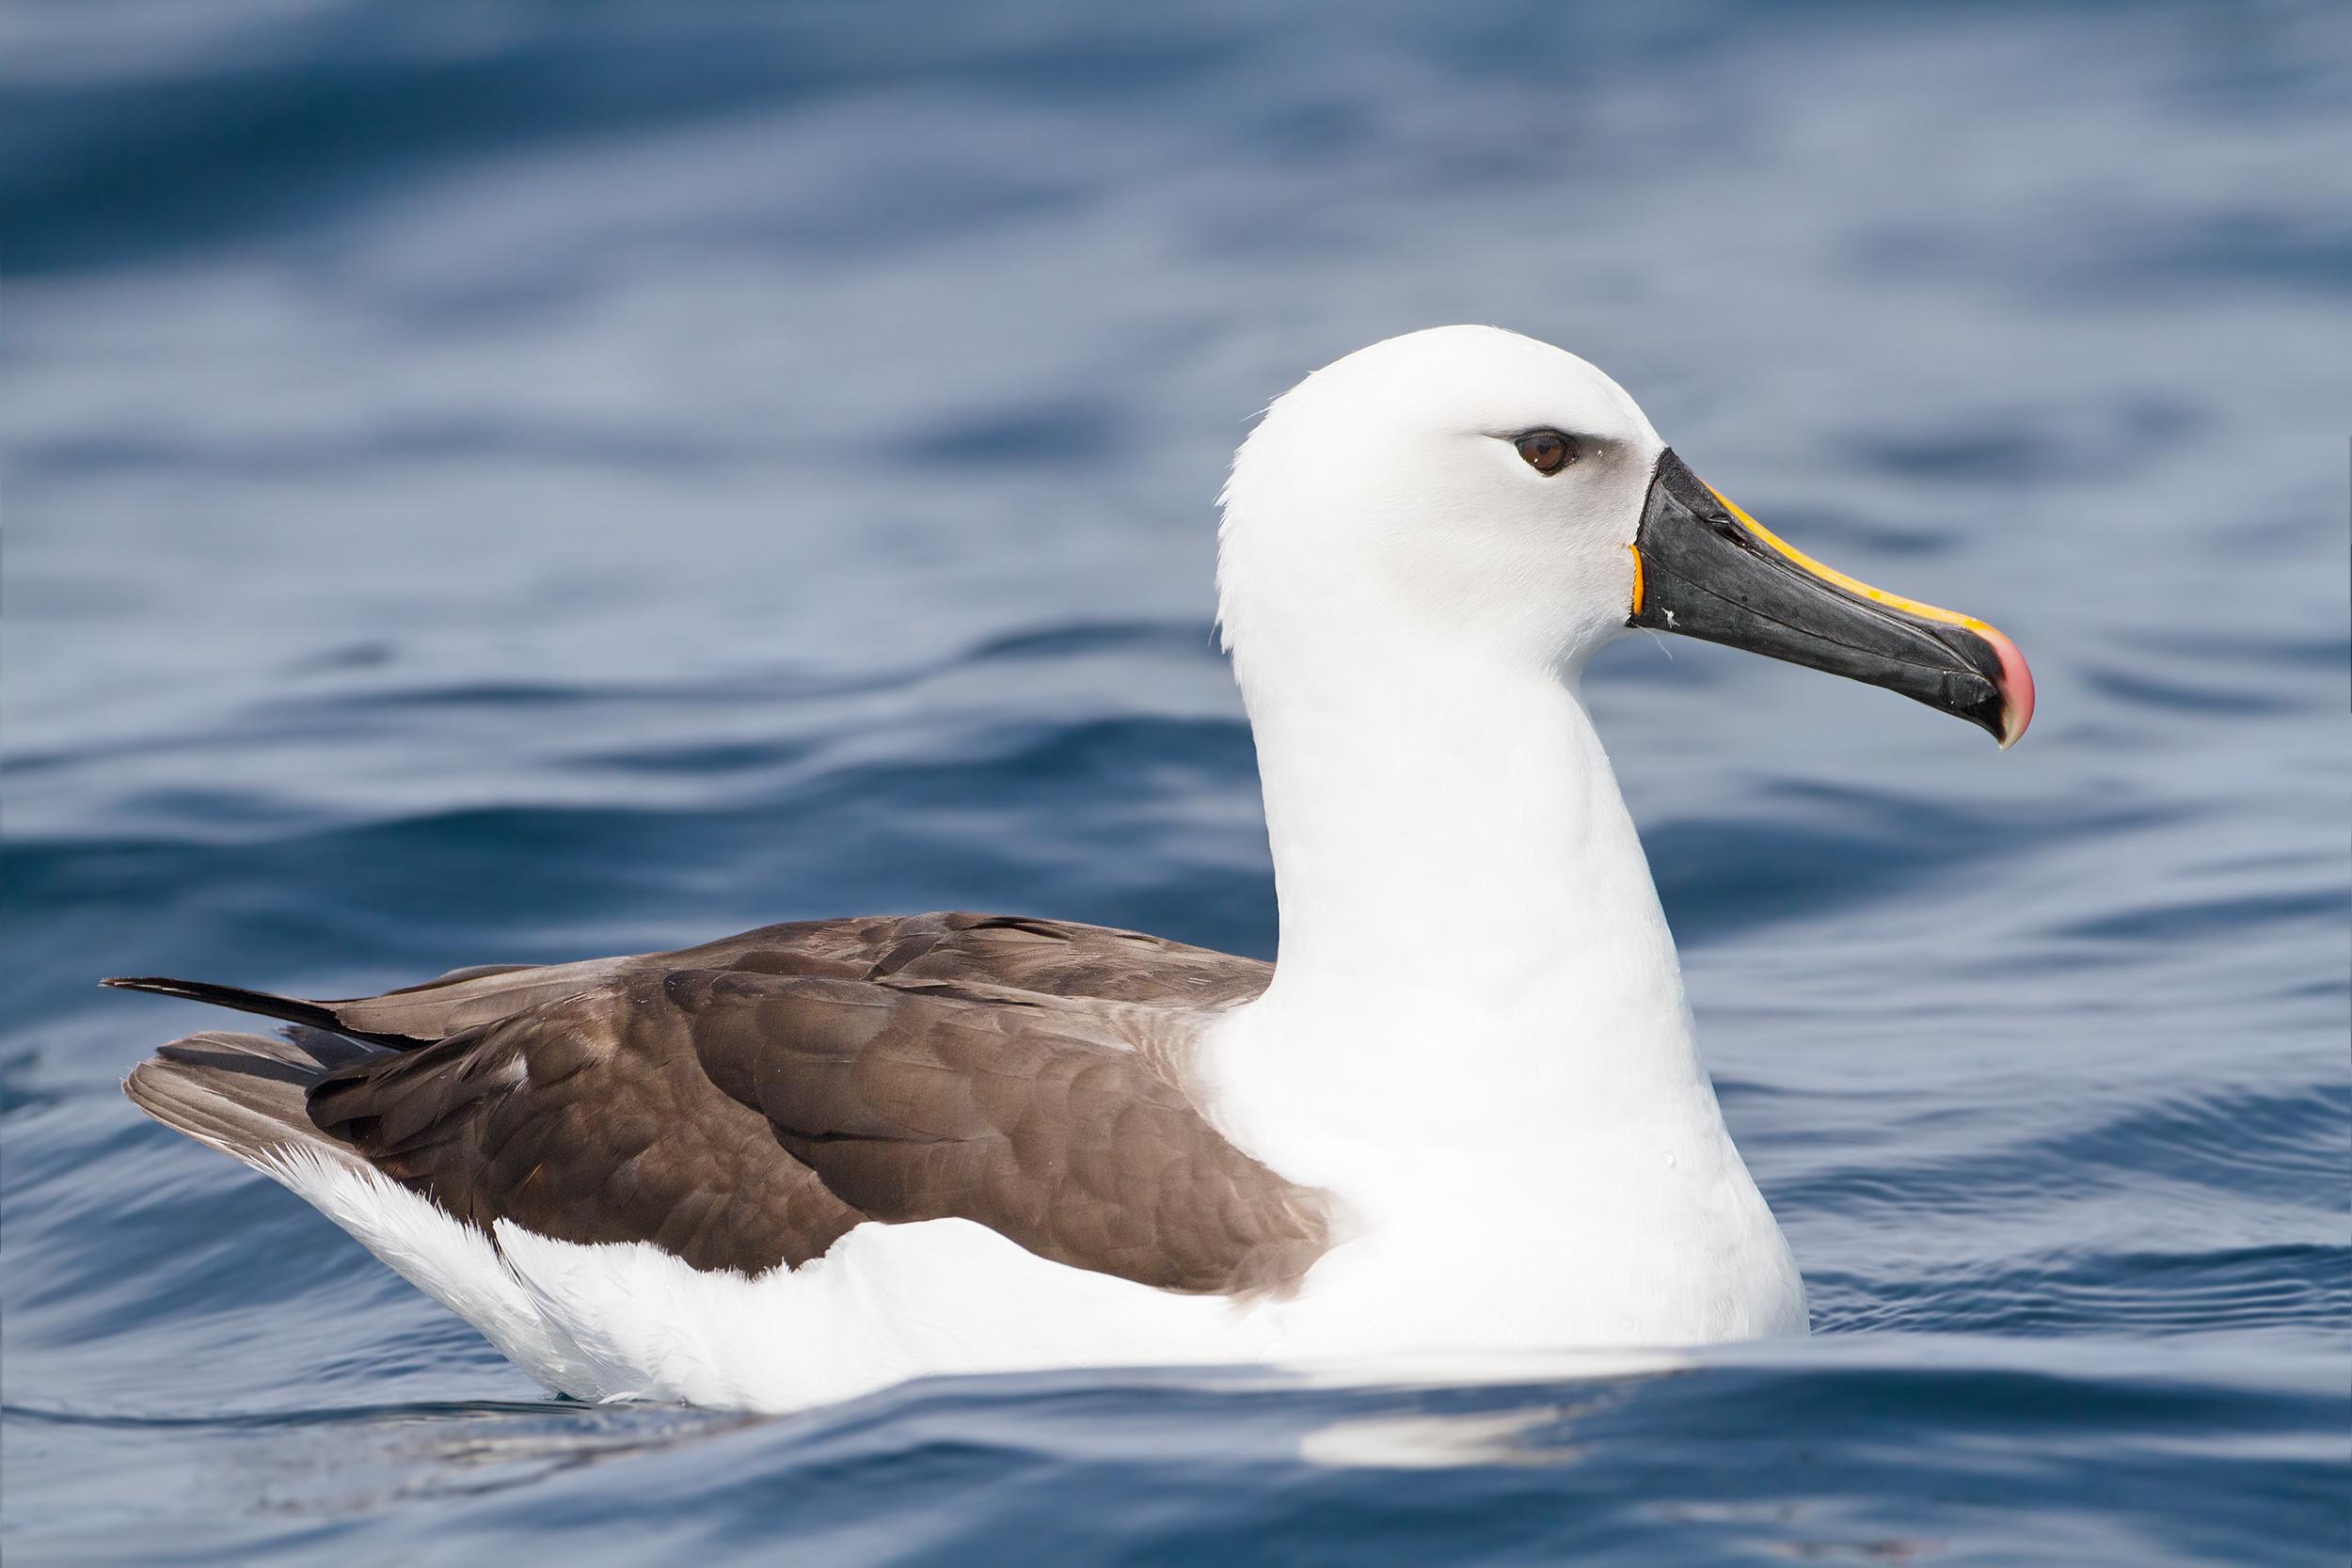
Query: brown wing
<point>587,1118</point>
<point>929,1100</point>
<point>745,1102</point>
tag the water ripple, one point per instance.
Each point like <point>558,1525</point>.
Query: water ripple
<point>516,482</point>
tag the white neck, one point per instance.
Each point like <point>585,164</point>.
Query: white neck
<point>1469,928</point>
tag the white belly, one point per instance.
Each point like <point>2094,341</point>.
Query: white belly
<point>622,1321</point>
<point>1675,1264</point>
<point>628,1321</point>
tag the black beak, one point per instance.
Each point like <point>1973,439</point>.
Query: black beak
<point>1706,569</point>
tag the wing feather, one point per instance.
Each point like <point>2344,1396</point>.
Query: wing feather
<point>911,1105</point>
<point>745,1102</point>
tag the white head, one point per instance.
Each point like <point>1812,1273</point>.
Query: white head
<point>1462,504</point>
<point>1386,500</point>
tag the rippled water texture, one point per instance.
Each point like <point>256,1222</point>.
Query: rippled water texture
<point>517,482</point>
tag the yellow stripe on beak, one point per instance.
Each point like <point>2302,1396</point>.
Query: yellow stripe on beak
<point>2016,677</point>
<point>1831,575</point>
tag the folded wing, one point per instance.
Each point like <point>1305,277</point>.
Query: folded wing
<point>744,1103</point>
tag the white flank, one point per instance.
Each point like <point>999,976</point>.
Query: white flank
<point>628,1321</point>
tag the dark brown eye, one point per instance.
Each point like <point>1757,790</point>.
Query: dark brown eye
<point>1547,451</point>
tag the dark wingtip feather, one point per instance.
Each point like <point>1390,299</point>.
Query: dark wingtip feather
<point>287,1009</point>
<point>291,1009</point>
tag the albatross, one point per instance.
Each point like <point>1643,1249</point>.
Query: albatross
<point>1462,1110</point>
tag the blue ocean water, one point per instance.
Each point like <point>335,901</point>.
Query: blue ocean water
<point>518,482</point>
